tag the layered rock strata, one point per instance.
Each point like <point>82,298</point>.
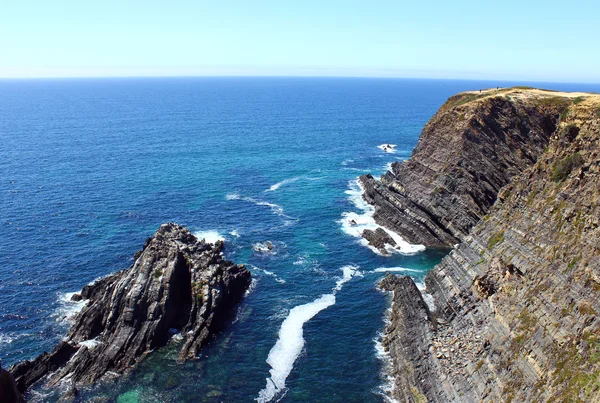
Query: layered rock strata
<point>177,284</point>
<point>517,301</point>
<point>466,153</point>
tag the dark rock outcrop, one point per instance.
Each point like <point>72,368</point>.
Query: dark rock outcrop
<point>517,302</point>
<point>379,239</point>
<point>466,153</point>
<point>177,284</point>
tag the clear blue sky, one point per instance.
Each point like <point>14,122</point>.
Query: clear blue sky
<point>507,39</point>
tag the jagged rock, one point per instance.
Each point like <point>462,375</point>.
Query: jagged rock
<point>177,283</point>
<point>378,239</point>
<point>466,153</point>
<point>522,291</point>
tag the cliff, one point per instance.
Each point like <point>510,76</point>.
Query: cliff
<point>517,300</point>
<point>466,153</point>
<point>177,284</point>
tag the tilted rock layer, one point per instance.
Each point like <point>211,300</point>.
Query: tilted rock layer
<point>177,283</point>
<point>517,301</point>
<point>466,153</point>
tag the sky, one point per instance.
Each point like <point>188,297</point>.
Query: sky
<point>505,40</point>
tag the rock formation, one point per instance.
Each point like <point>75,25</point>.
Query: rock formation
<point>517,301</point>
<point>177,284</point>
<point>466,153</point>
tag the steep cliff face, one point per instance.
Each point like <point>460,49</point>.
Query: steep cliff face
<point>177,283</point>
<point>466,153</point>
<point>517,300</point>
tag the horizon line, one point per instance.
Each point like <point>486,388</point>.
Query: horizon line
<point>383,77</point>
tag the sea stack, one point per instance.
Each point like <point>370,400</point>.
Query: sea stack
<point>517,301</point>
<point>176,284</point>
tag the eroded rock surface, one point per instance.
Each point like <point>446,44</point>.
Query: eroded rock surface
<point>177,284</point>
<point>466,153</point>
<point>517,301</point>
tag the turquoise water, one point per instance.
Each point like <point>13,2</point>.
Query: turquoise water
<point>90,168</point>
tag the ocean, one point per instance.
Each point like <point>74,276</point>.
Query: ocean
<point>91,167</point>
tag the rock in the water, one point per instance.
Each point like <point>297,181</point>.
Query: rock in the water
<point>177,282</point>
<point>379,239</point>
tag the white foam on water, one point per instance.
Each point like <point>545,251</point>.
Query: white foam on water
<point>268,273</point>
<point>290,343</point>
<point>388,148</point>
<point>387,388</point>
<point>68,309</point>
<point>346,162</point>
<point>5,339</point>
<point>235,233</point>
<point>275,208</point>
<point>428,298</point>
<point>283,182</point>
<point>209,236</point>
<point>354,224</point>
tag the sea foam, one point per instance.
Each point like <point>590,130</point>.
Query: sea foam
<point>290,343</point>
<point>209,236</point>
<point>388,148</point>
<point>354,224</point>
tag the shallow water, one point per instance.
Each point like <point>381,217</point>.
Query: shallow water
<point>90,168</point>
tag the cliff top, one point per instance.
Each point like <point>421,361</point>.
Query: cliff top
<point>523,93</point>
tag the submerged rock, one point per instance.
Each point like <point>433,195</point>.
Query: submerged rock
<point>176,283</point>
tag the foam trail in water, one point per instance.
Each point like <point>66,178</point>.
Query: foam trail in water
<point>209,236</point>
<point>291,341</point>
<point>275,208</point>
<point>354,224</point>
<point>380,352</point>
<point>283,182</point>
<point>269,273</point>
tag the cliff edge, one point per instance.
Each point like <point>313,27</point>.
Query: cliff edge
<point>177,284</point>
<point>517,301</point>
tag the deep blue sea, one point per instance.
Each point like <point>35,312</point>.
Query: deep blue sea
<point>91,167</point>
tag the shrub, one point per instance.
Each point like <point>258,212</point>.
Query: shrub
<point>578,100</point>
<point>564,167</point>
<point>496,239</point>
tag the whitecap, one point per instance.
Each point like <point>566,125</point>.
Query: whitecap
<point>354,224</point>
<point>275,208</point>
<point>290,343</point>
<point>387,388</point>
<point>209,236</point>
<point>269,273</point>
<point>5,339</point>
<point>388,148</point>
<point>235,233</point>
<point>283,182</point>
<point>68,309</point>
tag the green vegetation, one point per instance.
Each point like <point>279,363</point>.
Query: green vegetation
<point>496,239</point>
<point>564,167</point>
<point>157,273</point>
<point>598,111</point>
<point>524,87</point>
<point>578,100</point>
<point>564,114</point>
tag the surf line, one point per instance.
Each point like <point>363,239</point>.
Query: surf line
<point>290,343</point>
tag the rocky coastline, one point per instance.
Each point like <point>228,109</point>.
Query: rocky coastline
<point>516,301</point>
<point>177,284</point>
